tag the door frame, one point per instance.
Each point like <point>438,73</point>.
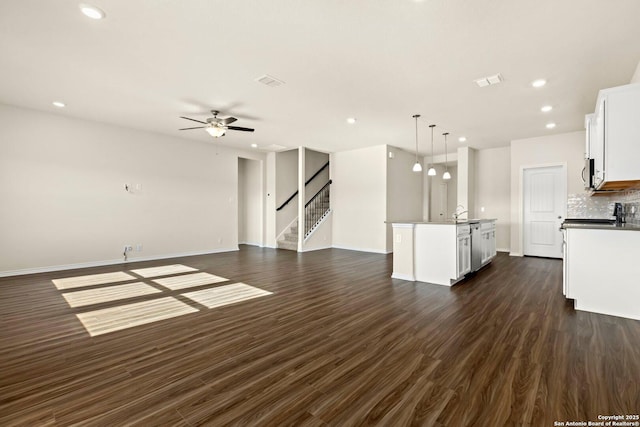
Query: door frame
<point>563,165</point>
<point>261,189</point>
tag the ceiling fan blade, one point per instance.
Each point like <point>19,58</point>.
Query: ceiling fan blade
<point>197,127</point>
<point>228,120</point>
<point>193,120</point>
<point>239,128</point>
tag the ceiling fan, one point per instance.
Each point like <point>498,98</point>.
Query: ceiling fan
<point>215,126</point>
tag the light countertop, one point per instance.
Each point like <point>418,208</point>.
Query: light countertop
<point>450,222</point>
<point>617,227</point>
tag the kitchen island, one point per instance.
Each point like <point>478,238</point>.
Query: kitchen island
<point>441,252</point>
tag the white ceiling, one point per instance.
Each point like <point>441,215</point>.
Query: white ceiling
<point>381,61</point>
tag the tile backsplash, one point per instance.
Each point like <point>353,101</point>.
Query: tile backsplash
<point>582,205</point>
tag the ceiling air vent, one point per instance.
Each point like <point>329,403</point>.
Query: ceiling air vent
<point>490,80</point>
<point>269,81</point>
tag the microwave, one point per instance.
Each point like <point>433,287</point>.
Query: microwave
<point>588,173</point>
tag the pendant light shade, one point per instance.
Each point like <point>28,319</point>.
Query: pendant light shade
<point>432,170</point>
<point>446,174</point>
<point>417,167</point>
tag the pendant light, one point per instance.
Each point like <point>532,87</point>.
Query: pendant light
<point>446,174</point>
<point>432,170</point>
<point>417,167</point>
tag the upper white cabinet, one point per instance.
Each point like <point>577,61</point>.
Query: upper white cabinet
<point>616,146</point>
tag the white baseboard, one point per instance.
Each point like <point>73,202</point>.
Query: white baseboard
<point>375,251</point>
<point>51,268</point>
<point>403,277</point>
<point>316,249</point>
<point>503,250</point>
<point>516,254</point>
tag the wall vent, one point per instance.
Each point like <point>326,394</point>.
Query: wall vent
<point>269,81</point>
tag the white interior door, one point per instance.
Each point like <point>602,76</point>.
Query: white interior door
<point>545,206</point>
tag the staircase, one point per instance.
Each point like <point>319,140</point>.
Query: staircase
<point>290,241</point>
<point>315,211</point>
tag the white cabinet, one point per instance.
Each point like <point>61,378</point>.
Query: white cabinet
<point>589,150</point>
<point>464,255</point>
<point>442,252</point>
<point>615,148</point>
<point>488,239</point>
<point>590,131</point>
<point>600,272</point>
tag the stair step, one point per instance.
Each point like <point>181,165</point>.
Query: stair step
<point>291,237</point>
<point>291,246</point>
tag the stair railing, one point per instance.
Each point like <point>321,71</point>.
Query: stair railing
<point>286,202</point>
<point>316,209</point>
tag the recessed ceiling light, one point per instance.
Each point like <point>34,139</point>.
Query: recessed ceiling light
<point>254,145</point>
<point>59,104</point>
<point>92,11</point>
<point>351,120</point>
<point>546,108</point>
<point>551,125</point>
<point>538,83</point>
<point>462,139</point>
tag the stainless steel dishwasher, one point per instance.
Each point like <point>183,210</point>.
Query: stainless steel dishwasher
<point>476,246</point>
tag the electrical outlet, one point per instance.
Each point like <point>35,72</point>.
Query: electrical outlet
<point>138,247</point>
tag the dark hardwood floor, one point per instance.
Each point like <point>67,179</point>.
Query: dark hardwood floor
<point>338,343</point>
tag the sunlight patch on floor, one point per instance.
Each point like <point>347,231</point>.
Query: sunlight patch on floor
<point>189,280</point>
<point>227,294</point>
<point>164,270</point>
<point>92,280</point>
<point>113,319</point>
<point>109,293</point>
<point>158,303</point>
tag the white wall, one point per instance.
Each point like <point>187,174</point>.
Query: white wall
<point>250,202</point>
<point>64,203</point>
<point>359,199</point>
<point>466,182</point>
<point>565,148</point>
<point>636,75</point>
<point>286,185</point>
<point>314,160</point>
<point>443,192</point>
<point>404,190</point>
<point>270,201</point>
<point>492,191</point>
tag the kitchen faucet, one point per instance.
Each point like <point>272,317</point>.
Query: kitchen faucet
<point>457,214</point>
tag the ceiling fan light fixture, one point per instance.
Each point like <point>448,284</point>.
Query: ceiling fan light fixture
<point>216,131</point>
